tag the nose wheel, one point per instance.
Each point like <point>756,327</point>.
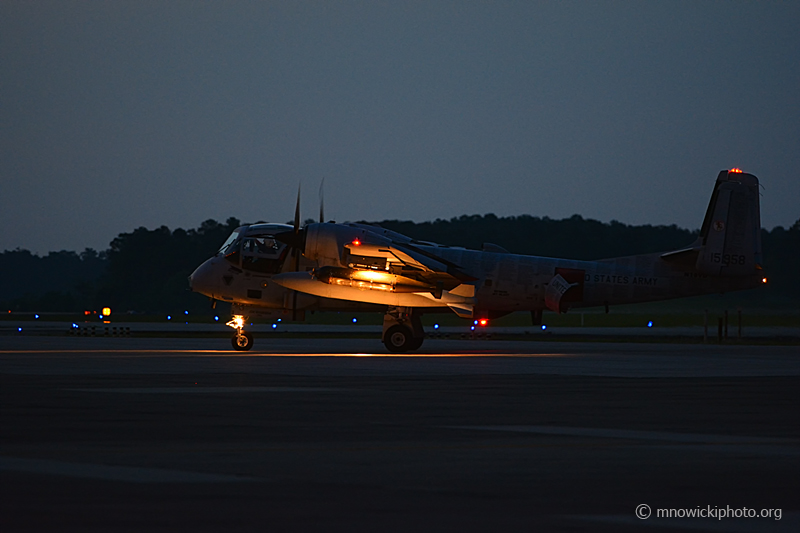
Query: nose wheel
<point>242,340</point>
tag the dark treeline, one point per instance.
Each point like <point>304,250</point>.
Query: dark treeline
<point>147,270</point>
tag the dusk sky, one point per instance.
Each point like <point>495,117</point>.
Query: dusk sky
<point>115,115</point>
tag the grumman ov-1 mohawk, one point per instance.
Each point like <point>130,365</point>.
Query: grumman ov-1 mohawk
<point>281,270</point>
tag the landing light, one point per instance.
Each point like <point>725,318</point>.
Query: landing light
<point>106,311</point>
<point>736,170</point>
<point>763,280</point>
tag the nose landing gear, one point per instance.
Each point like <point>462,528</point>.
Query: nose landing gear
<point>242,340</point>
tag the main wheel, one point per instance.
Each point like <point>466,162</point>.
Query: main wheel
<point>242,342</point>
<point>398,339</point>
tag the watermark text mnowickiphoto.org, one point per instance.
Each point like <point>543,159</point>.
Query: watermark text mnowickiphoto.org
<point>644,512</point>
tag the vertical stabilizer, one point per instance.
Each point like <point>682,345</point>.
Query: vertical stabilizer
<point>731,232</point>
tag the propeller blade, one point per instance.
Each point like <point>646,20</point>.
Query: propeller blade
<point>321,203</point>
<point>297,212</point>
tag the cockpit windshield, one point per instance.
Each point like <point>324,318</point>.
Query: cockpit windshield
<point>229,241</point>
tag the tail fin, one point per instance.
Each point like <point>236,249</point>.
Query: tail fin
<point>731,232</point>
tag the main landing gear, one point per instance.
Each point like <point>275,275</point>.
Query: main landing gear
<point>241,340</point>
<point>402,330</point>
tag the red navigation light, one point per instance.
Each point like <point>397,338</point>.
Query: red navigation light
<point>483,321</point>
<point>87,312</point>
<point>736,170</point>
<point>356,242</point>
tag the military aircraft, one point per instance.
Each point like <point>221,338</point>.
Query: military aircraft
<point>281,270</point>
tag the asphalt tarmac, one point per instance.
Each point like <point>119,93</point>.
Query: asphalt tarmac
<point>127,434</point>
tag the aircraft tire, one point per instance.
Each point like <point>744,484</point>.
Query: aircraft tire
<point>398,339</point>
<point>244,344</point>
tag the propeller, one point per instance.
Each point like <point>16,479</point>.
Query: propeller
<point>295,239</point>
<point>295,251</point>
<point>321,202</point>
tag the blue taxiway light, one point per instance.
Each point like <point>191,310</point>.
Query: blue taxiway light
<point>650,324</point>
<point>35,316</point>
<point>544,327</point>
<point>436,326</point>
<point>216,319</point>
<point>169,317</point>
<point>19,329</point>
<point>274,326</point>
<point>355,320</point>
<point>186,312</point>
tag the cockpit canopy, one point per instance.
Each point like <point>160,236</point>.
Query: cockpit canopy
<point>255,248</point>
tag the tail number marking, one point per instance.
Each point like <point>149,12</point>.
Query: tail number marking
<point>728,259</point>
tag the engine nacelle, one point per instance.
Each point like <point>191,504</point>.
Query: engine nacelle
<point>326,242</point>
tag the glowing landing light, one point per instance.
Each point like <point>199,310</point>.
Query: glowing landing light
<point>236,322</point>
<point>106,311</point>
<point>736,170</point>
<point>763,280</point>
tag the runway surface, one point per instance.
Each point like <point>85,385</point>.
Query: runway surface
<point>127,434</point>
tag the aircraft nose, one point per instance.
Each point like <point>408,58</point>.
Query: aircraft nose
<point>202,279</point>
